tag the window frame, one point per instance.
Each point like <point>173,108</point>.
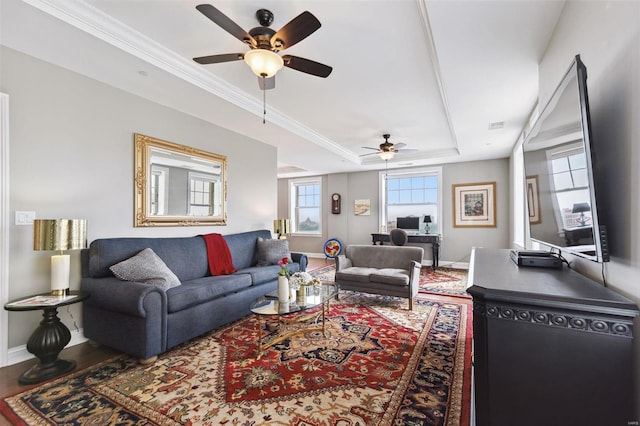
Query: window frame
<point>421,171</point>
<point>293,207</point>
<point>553,154</point>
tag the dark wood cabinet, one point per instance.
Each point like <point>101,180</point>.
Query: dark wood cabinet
<point>551,347</point>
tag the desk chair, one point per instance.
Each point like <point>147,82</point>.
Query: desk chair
<point>399,237</point>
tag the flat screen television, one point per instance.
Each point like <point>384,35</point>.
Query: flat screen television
<point>411,223</point>
<point>560,173</point>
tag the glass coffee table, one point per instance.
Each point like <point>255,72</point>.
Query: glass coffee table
<point>268,307</point>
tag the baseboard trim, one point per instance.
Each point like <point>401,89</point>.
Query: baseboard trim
<point>20,353</point>
<point>425,262</point>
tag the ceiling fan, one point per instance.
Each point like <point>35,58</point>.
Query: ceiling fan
<point>387,150</point>
<point>265,43</point>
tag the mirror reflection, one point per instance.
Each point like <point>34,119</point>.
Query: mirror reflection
<point>559,189</point>
<point>177,185</point>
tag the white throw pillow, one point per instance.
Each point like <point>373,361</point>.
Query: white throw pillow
<point>146,267</point>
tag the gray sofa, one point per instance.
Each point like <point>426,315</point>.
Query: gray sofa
<point>144,320</point>
<point>386,270</point>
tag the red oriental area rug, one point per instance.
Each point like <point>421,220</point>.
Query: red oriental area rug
<point>380,364</point>
<point>444,281</point>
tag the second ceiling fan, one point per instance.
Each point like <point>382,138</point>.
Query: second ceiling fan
<point>265,43</point>
<point>388,150</point>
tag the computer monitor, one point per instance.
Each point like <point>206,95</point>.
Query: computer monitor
<point>410,223</point>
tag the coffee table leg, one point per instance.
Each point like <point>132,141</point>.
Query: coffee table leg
<point>259,354</point>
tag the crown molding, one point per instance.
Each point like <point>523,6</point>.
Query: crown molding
<point>433,53</point>
<point>93,21</point>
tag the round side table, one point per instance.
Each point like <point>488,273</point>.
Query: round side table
<point>50,337</point>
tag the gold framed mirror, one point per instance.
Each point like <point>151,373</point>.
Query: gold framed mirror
<point>176,185</point>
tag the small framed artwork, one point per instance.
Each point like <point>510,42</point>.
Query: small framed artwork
<point>533,200</point>
<point>474,205</point>
<point>362,207</point>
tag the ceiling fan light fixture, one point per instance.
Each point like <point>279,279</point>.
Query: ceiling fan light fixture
<point>263,62</point>
<point>386,155</point>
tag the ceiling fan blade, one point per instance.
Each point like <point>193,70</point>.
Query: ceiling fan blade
<point>307,66</point>
<point>368,147</point>
<point>399,145</point>
<point>215,59</point>
<point>373,153</point>
<point>267,83</point>
<point>299,28</point>
<point>224,22</point>
<point>407,150</point>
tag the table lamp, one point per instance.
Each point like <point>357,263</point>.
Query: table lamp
<point>60,235</point>
<point>427,220</point>
<point>581,208</point>
<point>281,227</point>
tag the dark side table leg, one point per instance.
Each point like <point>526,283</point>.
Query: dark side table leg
<point>46,342</point>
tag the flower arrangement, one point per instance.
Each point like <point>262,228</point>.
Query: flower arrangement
<point>283,266</point>
<point>302,279</point>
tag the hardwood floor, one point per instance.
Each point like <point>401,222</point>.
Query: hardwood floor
<point>85,355</point>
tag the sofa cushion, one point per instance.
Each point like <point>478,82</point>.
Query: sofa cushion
<point>271,251</point>
<point>263,274</point>
<point>201,290</point>
<point>383,256</point>
<point>390,276</point>
<point>243,247</point>
<point>185,256</point>
<point>355,273</point>
<point>146,267</point>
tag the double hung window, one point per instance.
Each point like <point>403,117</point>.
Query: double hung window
<point>305,197</point>
<point>415,192</point>
<point>570,182</point>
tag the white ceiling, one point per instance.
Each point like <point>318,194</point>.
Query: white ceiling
<point>433,74</point>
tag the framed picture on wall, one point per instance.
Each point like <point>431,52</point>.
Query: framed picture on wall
<point>474,205</point>
<point>533,200</point>
<point>362,207</point>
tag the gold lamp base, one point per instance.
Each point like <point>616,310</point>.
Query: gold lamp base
<point>60,292</point>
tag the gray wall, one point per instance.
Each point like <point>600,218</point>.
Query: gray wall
<point>71,156</point>
<point>456,242</point>
<point>607,37</point>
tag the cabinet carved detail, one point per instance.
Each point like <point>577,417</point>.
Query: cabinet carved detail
<point>556,320</point>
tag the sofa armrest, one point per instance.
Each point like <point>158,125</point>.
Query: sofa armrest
<point>343,262</point>
<point>127,297</point>
<point>301,259</point>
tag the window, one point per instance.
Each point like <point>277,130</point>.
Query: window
<point>158,199</point>
<point>570,183</point>
<point>202,194</point>
<point>411,193</point>
<point>304,199</point>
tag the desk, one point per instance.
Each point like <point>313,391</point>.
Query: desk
<point>433,239</point>
<point>49,338</point>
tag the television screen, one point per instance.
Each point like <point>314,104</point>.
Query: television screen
<point>410,222</point>
<point>559,172</point>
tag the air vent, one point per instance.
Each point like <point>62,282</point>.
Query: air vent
<point>496,125</point>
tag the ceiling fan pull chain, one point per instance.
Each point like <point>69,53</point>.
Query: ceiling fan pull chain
<point>264,100</point>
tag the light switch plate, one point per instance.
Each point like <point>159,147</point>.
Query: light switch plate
<point>25,218</point>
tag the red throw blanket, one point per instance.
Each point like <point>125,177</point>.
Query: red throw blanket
<point>220,261</point>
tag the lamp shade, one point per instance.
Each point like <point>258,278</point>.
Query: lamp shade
<point>580,208</point>
<point>386,155</point>
<point>263,62</point>
<point>427,219</point>
<point>59,234</point>
<point>281,226</point>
